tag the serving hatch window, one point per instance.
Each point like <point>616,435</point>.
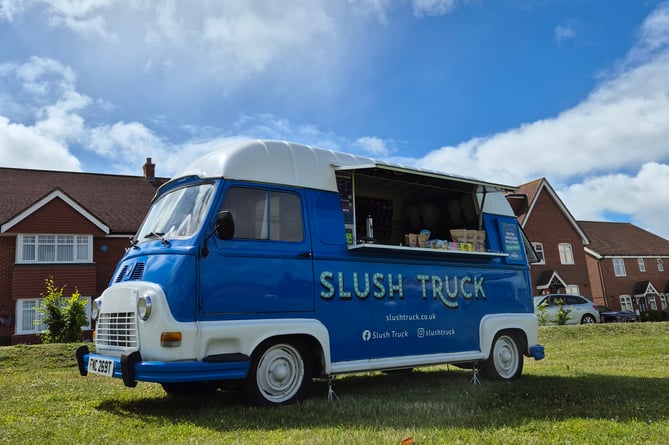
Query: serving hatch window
<point>401,202</point>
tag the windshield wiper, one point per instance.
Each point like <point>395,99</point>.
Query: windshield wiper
<point>158,235</point>
<point>155,235</point>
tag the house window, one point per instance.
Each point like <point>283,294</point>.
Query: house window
<point>572,290</point>
<point>660,265</point>
<point>626,303</point>
<point>642,265</point>
<point>619,267</point>
<point>652,301</point>
<point>28,316</point>
<point>663,302</point>
<point>539,250</point>
<point>54,249</point>
<point>566,254</point>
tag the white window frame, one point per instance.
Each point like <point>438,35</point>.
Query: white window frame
<point>31,305</point>
<point>652,301</point>
<point>566,253</point>
<point>663,302</point>
<point>29,245</point>
<point>642,264</point>
<point>539,250</point>
<point>619,267</point>
<point>626,303</point>
<point>572,289</point>
<point>660,265</point>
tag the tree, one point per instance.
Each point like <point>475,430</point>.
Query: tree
<point>63,317</point>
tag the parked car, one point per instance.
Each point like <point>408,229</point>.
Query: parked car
<point>582,310</point>
<point>608,315</point>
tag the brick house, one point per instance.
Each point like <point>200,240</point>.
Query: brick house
<point>626,265</point>
<point>556,237</point>
<point>73,227</point>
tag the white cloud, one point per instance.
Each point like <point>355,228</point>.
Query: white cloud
<point>25,147</point>
<point>52,121</point>
<point>642,197</point>
<point>11,9</point>
<point>621,127</point>
<point>432,7</point>
<point>41,93</point>
<point>126,145</point>
<point>81,16</point>
<point>564,32</point>
<point>376,9</point>
<point>373,146</point>
<point>622,124</point>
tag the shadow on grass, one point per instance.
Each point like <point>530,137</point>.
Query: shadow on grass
<point>430,398</point>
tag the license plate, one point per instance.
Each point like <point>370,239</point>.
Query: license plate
<point>101,366</point>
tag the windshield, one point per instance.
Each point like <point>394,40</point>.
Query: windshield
<point>178,214</point>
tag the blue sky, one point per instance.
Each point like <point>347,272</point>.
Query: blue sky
<point>576,91</point>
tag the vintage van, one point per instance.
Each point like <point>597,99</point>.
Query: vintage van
<point>269,263</point>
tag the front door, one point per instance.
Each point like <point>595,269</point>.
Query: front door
<point>267,266</point>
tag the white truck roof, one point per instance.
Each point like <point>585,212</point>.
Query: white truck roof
<point>288,163</point>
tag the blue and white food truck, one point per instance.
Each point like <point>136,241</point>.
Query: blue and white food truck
<point>267,264</point>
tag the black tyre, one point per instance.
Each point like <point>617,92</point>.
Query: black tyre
<point>588,319</point>
<point>506,358</point>
<point>280,373</point>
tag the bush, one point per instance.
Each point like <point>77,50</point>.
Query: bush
<point>542,314</point>
<point>563,315</point>
<point>64,318</point>
<point>651,315</point>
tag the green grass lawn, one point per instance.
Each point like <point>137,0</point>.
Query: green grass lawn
<point>604,384</point>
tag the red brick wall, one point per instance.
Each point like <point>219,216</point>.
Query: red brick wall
<point>617,286</point>
<point>549,226</point>
<point>28,280</point>
<point>596,284</point>
<point>56,217</point>
<point>7,247</point>
<point>106,258</point>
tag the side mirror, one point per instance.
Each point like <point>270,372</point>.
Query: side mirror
<point>225,225</point>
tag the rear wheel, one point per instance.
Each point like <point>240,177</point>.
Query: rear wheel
<point>281,373</point>
<point>506,359</point>
<point>588,319</point>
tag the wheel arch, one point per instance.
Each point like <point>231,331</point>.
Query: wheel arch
<point>523,327</point>
<point>304,341</point>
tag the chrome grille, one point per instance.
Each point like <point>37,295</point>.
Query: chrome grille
<point>116,330</point>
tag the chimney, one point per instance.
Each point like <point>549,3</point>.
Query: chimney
<point>149,170</point>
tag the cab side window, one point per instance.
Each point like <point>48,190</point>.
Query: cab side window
<point>265,214</point>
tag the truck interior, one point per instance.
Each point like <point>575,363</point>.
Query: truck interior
<point>402,202</point>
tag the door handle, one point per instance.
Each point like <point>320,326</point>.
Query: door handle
<point>305,254</point>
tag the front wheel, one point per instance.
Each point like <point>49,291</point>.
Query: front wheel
<point>280,373</point>
<point>506,359</point>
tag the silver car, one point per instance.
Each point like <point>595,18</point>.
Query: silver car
<point>581,309</point>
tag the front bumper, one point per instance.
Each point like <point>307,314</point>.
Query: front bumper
<point>537,351</point>
<point>131,368</point>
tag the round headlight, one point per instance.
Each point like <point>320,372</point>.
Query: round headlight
<point>144,307</point>
<point>96,307</point>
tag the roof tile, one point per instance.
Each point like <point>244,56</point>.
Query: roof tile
<point>118,201</point>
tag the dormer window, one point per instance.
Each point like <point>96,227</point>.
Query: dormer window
<point>56,248</point>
